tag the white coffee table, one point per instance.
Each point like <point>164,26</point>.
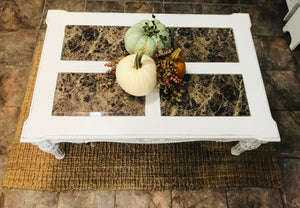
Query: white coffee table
<point>251,126</point>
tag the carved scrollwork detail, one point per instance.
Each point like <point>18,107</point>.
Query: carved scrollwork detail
<point>54,149</point>
<point>245,145</point>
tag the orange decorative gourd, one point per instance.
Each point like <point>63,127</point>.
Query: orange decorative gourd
<point>176,61</point>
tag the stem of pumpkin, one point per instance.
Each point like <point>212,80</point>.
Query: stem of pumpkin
<point>138,57</point>
<point>175,54</point>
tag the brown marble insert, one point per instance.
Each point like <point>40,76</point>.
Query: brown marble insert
<point>93,43</point>
<point>206,44</point>
<point>105,43</point>
<point>210,95</point>
<point>79,94</point>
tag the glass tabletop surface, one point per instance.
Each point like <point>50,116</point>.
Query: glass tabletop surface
<point>85,94</point>
<point>105,43</point>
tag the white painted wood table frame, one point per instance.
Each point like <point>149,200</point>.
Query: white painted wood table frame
<point>47,131</point>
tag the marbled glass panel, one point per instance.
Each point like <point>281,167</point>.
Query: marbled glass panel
<point>106,43</point>
<point>210,95</point>
<point>84,94</point>
<point>206,44</point>
<point>93,43</point>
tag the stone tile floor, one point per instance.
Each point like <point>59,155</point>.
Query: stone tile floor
<point>22,24</point>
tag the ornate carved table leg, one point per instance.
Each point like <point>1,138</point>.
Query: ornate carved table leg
<point>244,145</point>
<point>54,149</point>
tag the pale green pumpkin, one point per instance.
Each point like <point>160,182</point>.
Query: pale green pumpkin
<point>151,33</point>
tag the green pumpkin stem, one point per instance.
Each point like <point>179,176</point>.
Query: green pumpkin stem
<point>150,30</point>
<point>138,57</point>
<point>175,54</point>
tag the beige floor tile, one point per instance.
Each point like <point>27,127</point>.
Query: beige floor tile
<point>277,55</point>
<point>86,199</point>
<point>19,198</point>
<point>259,44</point>
<point>8,124</point>
<point>183,8</point>
<point>41,35</point>
<point>18,47</point>
<point>105,6</point>
<point>254,197</point>
<point>22,14</point>
<point>13,84</point>
<point>204,198</point>
<point>144,7</point>
<point>3,163</point>
<point>296,54</point>
<point>67,5</point>
<point>2,4</point>
<point>160,199</point>
<point>221,1</point>
<point>266,19</point>
<point>186,1</point>
<point>291,182</point>
<point>220,9</point>
<point>283,90</point>
<point>142,198</point>
<point>288,123</point>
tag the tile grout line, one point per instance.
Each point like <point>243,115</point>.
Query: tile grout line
<point>42,17</point>
<point>58,197</point>
<point>15,65</point>
<point>124,5</point>
<point>282,110</point>
<point>281,197</point>
<point>226,197</point>
<point>1,11</point>
<point>39,29</point>
<point>171,199</point>
<point>228,4</point>
<point>288,158</point>
<point>2,198</point>
<point>115,198</point>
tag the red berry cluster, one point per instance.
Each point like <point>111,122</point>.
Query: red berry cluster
<point>112,70</point>
<point>110,75</point>
<point>168,81</point>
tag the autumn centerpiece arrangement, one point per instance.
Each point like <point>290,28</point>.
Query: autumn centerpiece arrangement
<point>152,62</point>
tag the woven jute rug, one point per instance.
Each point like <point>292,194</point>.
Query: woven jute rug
<point>190,165</point>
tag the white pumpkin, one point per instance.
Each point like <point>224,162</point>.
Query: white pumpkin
<point>136,73</point>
